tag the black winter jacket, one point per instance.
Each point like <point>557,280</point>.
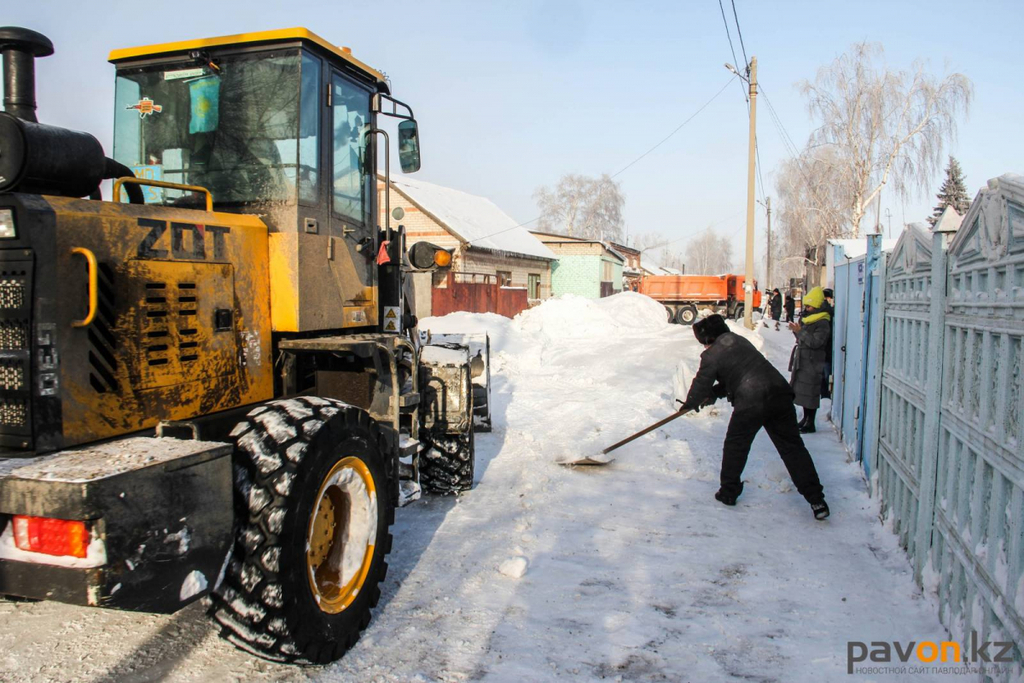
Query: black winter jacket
<point>733,368</point>
<point>808,361</point>
<point>776,306</point>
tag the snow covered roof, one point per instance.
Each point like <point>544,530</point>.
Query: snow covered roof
<point>608,246</point>
<point>949,221</point>
<point>473,219</point>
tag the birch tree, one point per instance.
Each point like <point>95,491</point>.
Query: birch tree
<point>887,127</point>
<point>581,206</point>
<point>709,254</point>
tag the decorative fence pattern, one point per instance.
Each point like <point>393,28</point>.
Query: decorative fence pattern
<point>945,445</point>
<point>978,540</point>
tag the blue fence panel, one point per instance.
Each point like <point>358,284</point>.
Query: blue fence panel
<point>841,290</point>
<point>851,339</point>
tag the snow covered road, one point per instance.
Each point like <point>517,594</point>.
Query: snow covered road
<point>628,572</point>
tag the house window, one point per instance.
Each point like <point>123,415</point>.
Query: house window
<point>533,285</point>
<point>606,273</point>
<point>504,278</point>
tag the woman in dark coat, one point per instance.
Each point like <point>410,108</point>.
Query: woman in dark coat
<point>776,307</point>
<point>813,335</point>
<point>790,307</point>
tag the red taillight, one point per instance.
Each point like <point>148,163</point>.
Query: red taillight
<point>51,536</point>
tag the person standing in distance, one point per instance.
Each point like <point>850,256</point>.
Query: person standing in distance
<point>732,368</point>
<point>807,362</point>
<point>776,307</point>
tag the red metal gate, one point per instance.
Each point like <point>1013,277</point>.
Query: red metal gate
<point>477,293</point>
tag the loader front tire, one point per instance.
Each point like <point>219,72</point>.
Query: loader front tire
<point>313,528</point>
<point>449,466</point>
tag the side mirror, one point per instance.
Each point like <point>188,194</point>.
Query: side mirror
<point>409,146</point>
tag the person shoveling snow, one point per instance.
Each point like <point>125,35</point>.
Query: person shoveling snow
<point>732,368</point>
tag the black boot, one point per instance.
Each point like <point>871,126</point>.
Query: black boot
<point>807,425</point>
<point>725,498</point>
<point>820,509</point>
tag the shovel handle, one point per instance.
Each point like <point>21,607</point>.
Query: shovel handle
<point>654,426</point>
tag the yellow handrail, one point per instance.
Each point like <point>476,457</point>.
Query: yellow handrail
<point>90,259</point>
<point>160,183</point>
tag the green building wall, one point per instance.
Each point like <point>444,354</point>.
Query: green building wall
<point>581,275</point>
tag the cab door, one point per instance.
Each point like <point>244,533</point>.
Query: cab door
<point>352,193</point>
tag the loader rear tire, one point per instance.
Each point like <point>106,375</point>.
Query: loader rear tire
<point>313,517</point>
<point>448,467</point>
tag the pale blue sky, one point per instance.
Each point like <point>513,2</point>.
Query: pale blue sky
<point>512,95</point>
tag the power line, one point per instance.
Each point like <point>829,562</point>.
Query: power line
<point>786,139</point>
<point>728,34</point>
<point>677,128</point>
<point>739,32</point>
<point>623,169</point>
<point>710,225</point>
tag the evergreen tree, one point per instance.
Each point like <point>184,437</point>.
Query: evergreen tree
<point>953,192</point>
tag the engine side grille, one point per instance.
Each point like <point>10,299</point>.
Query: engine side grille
<point>12,293</point>
<point>102,341</point>
<point>15,351</point>
<point>14,412</point>
<point>13,335</point>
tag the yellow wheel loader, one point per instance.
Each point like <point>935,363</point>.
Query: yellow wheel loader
<point>211,382</point>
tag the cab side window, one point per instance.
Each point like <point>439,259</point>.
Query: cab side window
<point>353,175</point>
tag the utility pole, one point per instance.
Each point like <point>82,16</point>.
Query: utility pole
<point>768,280</point>
<point>748,286</point>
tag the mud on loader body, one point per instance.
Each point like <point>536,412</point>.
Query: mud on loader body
<point>216,388</point>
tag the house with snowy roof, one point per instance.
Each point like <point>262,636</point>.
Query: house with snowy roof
<point>632,272</point>
<point>488,246</point>
<point>587,267</point>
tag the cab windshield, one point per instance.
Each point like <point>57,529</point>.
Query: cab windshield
<point>237,130</point>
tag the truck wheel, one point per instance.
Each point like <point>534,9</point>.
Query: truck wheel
<point>738,313</point>
<point>686,315</point>
<point>312,517</point>
<point>671,314</point>
<point>448,466</point>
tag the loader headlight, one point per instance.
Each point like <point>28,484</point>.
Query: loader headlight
<point>427,256</point>
<point>7,229</point>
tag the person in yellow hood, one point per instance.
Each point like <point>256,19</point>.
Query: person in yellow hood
<point>807,362</point>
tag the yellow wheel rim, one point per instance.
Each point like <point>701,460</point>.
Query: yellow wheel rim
<point>341,534</point>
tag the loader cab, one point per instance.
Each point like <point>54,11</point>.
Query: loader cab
<point>280,124</point>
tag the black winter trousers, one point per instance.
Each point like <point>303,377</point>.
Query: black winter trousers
<point>778,417</point>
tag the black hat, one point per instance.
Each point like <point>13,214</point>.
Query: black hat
<point>709,329</point>
<point>828,294</point>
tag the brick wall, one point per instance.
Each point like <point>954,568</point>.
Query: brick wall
<point>420,226</point>
<point>475,261</point>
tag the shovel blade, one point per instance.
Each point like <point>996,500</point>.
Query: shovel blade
<point>587,461</point>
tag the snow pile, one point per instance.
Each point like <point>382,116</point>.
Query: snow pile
<point>576,317</point>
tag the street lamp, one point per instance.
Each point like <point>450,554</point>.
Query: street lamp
<point>748,285</point>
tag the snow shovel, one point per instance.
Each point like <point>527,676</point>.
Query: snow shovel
<point>601,459</point>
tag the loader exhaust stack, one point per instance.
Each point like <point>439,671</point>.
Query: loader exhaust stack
<point>20,47</point>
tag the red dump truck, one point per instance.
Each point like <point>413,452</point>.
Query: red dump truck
<point>685,296</point>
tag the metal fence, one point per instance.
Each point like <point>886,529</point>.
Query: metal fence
<point>944,442</point>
